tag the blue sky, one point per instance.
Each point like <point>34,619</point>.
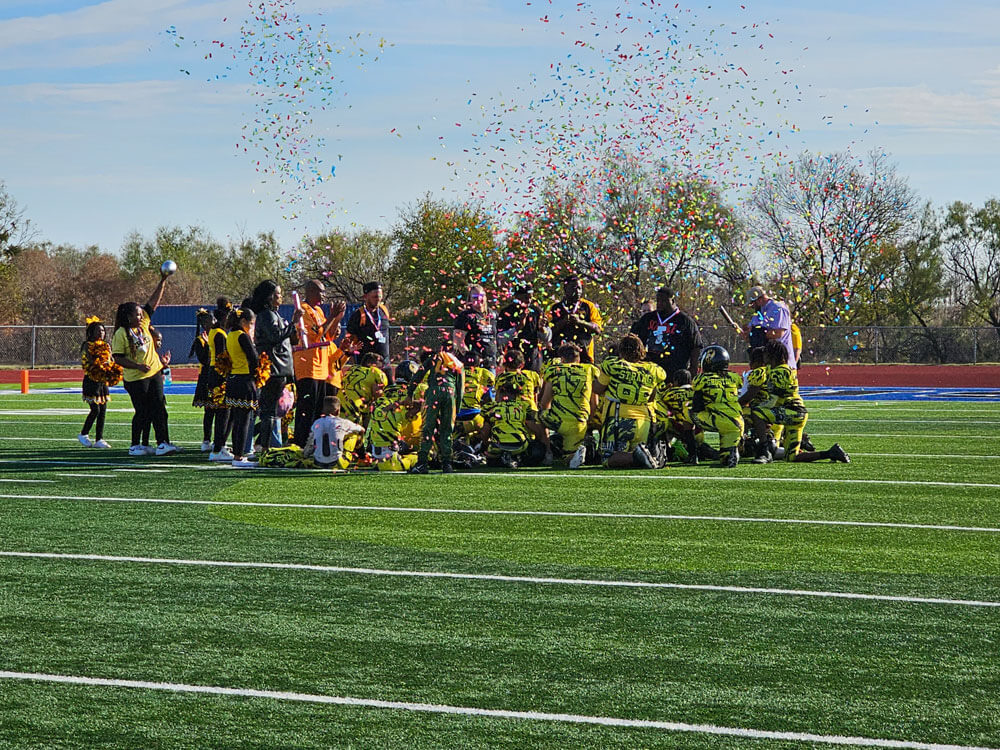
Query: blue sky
<point>102,133</point>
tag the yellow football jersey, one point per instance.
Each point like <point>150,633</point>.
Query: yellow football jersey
<point>525,382</point>
<point>720,392</point>
<point>360,385</point>
<point>478,380</point>
<point>572,387</point>
<point>508,422</point>
<point>631,384</point>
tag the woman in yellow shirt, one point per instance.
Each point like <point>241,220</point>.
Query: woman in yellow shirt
<point>132,348</point>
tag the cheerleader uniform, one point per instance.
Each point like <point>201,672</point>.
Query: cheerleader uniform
<point>201,398</point>
<point>241,390</point>
<point>215,384</point>
<point>97,395</point>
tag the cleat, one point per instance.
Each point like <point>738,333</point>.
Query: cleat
<point>707,452</point>
<point>763,457</point>
<point>839,454</point>
<point>166,449</point>
<point>579,456</point>
<point>547,461</point>
<point>642,458</point>
<point>85,441</point>
<point>507,460</point>
<point>807,444</point>
<point>691,460</point>
<point>102,443</point>
<point>420,468</point>
<point>221,456</point>
<point>732,459</point>
<point>447,468</point>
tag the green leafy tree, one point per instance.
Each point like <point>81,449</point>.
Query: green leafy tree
<point>441,248</point>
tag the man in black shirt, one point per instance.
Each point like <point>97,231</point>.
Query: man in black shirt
<point>369,324</point>
<point>671,336</point>
<point>575,319</point>
<point>519,325</point>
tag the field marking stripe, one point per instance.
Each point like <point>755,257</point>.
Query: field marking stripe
<point>497,578</point>
<point>709,478</point>
<point>30,481</point>
<point>506,512</point>
<point>436,708</point>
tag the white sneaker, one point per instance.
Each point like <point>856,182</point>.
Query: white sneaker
<point>166,449</point>
<point>102,443</point>
<point>244,463</point>
<point>222,456</point>
<point>138,450</point>
<point>206,446</point>
<point>579,456</point>
<point>85,441</point>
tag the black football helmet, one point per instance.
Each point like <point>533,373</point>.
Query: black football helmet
<point>714,358</point>
<point>405,371</point>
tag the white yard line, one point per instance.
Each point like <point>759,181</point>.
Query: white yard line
<point>144,471</point>
<point>81,475</point>
<point>30,481</point>
<point>435,708</point>
<point>501,512</point>
<point>499,578</point>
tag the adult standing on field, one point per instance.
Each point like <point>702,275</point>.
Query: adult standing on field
<point>575,320</point>
<point>771,321</point>
<point>520,323</point>
<point>475,331</point>
<point>311,359</point>
<point>273,336</point>
<point>670,335</point>
<point>369,325</point>
<point>132,348</point>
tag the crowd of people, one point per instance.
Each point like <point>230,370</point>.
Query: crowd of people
<point>521,386</point>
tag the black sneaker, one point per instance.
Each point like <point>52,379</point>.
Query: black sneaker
<point>447,468</point>
<point>707,452</point>
<point>838,454</point>
<point>691,460</point>
<point>507,460</point>
<point>763,457</point>
<point>733,459</point>
<point>420,468</point>
<point>642,457</point>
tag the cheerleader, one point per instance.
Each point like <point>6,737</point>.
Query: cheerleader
<point>99,372</point>
<point>241,386</point>
<point>219,366</point>
<point>199,349</point>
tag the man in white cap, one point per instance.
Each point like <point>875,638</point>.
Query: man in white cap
<point>771,321</point>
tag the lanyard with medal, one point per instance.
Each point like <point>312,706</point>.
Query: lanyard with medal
<point>660,332</point>
<point>377,323</point>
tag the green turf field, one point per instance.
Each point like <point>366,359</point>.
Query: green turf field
<point>704,607</point>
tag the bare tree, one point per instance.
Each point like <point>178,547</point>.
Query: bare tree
<point>16,231</point>
<point>972,254</point>
<point>823,227</point>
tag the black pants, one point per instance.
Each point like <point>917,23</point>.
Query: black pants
<point>97,414</point>
<point>308,405</point>
<point>150,408</point>
<point>240,419</point>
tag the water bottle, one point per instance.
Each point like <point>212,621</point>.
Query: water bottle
<point>166,376</point>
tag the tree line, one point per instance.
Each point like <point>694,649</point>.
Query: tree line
<point>844,240</point>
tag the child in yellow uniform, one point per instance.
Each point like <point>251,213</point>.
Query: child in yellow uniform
<point>362,385</point>
<point>628,384</point>
<point>715,406</point>
<point>567,401</point>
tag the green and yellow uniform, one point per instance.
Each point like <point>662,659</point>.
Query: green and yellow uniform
<point>527,383</point>
<point>673,408</point>
<point>572,389</point>
<point>360,388</point>
<point>628,413</point>
<point>508,427</point>
<point>717,395</point>
<point>384,435</point>
<point>445,379</point>
<point>784,406</point>
<point>478,382</point>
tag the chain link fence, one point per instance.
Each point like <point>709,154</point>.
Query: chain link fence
<point>41,346</point>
